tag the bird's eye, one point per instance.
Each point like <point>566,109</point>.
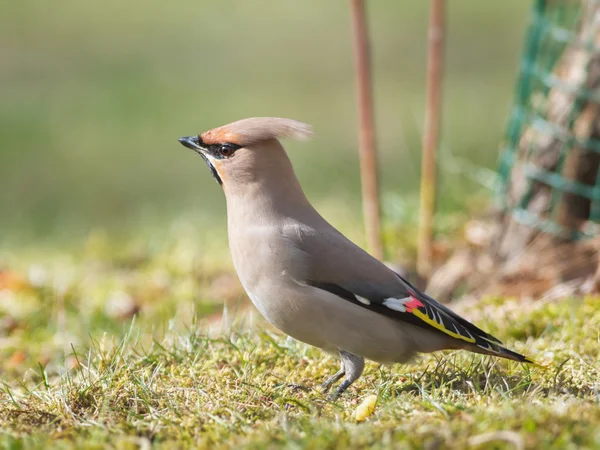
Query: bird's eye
<point>226,150</point>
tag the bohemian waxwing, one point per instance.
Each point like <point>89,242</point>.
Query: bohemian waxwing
<point>304,276</point>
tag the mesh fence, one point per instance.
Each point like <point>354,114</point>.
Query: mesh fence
<point>552,143</point>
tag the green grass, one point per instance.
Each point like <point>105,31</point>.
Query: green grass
<point>78,370</point>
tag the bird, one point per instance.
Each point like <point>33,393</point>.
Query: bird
<point>305,277</point>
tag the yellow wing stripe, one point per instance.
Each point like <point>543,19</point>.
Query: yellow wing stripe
<point>425,318</point>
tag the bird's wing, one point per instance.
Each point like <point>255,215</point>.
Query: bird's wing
<point>340,267</point>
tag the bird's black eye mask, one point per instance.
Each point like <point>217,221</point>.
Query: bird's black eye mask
<point>216,151</point>
<point>219,151</point>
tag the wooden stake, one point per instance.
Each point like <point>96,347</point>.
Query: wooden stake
<point>430,136</point>
<point>366,133</point>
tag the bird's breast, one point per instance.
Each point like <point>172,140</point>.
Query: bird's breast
<point>270,269</point>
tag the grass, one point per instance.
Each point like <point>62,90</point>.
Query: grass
<point>121,344</point>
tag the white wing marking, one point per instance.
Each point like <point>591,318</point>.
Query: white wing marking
<point>397,304</point>
<point>363,300</point>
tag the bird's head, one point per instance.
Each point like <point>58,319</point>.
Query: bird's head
<point>247,148</point>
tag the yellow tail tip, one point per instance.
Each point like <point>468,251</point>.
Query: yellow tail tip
<point>535,363</point>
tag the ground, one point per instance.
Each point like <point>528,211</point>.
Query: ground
<point>126,348</point>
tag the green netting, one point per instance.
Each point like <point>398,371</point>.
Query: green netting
<point>554,30</point>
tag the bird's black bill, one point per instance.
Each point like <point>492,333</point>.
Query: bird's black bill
<point>192,142</point>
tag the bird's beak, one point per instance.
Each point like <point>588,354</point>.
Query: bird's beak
<point>192,142</point>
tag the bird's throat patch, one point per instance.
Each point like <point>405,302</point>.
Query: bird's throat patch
<point>211,167</point>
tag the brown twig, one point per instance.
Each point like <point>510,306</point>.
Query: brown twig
<point>367,151</point>
<point>430,136</point>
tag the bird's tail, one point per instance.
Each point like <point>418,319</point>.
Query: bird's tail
<point>486,347</point>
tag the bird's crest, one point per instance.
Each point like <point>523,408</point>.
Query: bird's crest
<point>257,129</point>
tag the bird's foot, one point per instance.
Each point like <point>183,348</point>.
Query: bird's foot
<point>340,390</point>
<point>327,384</point>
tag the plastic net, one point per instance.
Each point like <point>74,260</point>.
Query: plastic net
<point>549,169</point>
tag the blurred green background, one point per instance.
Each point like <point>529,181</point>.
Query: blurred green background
<point>95,94</point>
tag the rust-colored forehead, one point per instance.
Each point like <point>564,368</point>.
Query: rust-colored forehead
<point>220,136</point>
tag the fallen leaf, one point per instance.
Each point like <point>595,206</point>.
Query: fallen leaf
<point>17,358</point>
<point>12,281</point>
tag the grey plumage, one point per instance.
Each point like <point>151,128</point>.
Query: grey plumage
<point>305,277</point>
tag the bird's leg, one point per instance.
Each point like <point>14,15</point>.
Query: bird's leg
<point>339,374</point>
<point>353,367</point>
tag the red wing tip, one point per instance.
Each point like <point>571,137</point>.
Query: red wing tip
<point>412,304</point>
